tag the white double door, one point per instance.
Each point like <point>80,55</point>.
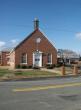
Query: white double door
<point>37,59</point>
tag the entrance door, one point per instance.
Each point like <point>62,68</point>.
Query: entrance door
<point>37,59</point>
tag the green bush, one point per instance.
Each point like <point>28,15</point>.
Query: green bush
<point>29,67</point>
<point>50,66</point>
<point>21,66</point>
<point>58,65</point>
<point>24,67</point>
<point>18,66</point>
<point>36,67</point>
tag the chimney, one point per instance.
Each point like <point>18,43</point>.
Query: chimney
<point>36,24</point>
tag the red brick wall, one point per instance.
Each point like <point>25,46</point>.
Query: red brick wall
<point>29,46</point>
<point>4,59</point>
<point>0,59</point>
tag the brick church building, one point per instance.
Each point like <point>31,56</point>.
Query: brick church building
<point>34,50</point>
<point>4,58</point>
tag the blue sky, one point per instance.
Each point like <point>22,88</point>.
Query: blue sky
<point>60,20</point>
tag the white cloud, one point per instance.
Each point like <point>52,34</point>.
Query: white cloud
<point>10,44</point>
<point>14,42</point>
<point>2,44</point>
<point>78,35</point>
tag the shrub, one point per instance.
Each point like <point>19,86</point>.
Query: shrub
<point>69,65</point>
<point>24,67</point>
<point>18,66</point>
<point>50,66</point>
<point>29,67</point>
<point>58,65</point>
<point>36,67</point>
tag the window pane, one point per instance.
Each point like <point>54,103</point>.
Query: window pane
<point>49,58</point>
<point>23,58</point>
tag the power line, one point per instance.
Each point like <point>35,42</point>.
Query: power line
<point>60,29</point>
<point>43,28</point>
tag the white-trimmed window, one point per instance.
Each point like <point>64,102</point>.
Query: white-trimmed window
<point>0,59</point>
<point>49,58</point>
<point>24,58</point>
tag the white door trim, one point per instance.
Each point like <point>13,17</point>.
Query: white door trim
<point>40,61</point>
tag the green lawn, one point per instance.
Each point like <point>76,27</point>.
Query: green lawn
<point>32,73</point>
<point>28,73</point>
<point>4,71</point>
<point>35,73</point>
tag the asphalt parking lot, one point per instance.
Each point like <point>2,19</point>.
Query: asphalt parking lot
<point>52,94</point>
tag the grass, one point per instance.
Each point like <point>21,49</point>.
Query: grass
<point>4,71</point>
<point>31,73</point>
<point>35,73</point>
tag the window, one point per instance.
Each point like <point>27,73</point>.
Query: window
<point>24,58</point>
<point>0,59</point>
<point>49,58</point>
